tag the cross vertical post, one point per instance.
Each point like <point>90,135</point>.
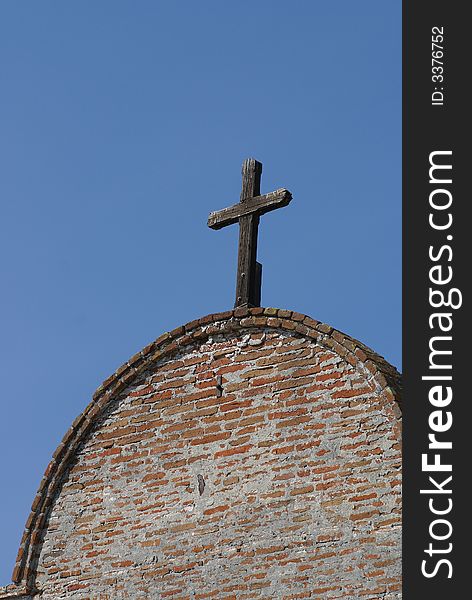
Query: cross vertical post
<point>247,213</point>
<point>247,276</point>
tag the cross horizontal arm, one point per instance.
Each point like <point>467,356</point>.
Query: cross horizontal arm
<point>258,205</point>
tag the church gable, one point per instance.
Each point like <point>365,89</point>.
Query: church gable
<point>254,453</point>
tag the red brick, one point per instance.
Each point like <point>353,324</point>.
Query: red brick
<point>216,509</point>
<point>232,451</point>
<point>208,439</point>
<point>303,490</point>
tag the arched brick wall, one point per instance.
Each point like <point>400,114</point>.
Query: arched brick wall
<point>249,454</point>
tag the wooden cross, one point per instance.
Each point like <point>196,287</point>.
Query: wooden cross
<point>251,206</point>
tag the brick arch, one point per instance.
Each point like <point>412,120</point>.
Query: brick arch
<point>385,378</point>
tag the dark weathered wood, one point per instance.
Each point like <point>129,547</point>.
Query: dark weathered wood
<point>259,204</point>
<point>251,172</point>
<point>247,252</point>
<point>247,212</point>
<point>258,285</point>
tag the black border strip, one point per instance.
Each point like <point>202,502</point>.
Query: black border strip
<point>435,262</point>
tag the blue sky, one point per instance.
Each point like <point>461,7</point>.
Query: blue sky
<point>122,125</point>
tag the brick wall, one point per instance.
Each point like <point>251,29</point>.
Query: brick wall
<point>246,455</point>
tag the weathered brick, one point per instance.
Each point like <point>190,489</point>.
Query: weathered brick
<point>259,490</point>
<point>216,509</point>
<point>302,490</point>
<point>233,451</point>
<point>208,439</point>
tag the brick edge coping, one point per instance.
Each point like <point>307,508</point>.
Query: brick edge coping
<point>14,591</point>
<point>386,377</point>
